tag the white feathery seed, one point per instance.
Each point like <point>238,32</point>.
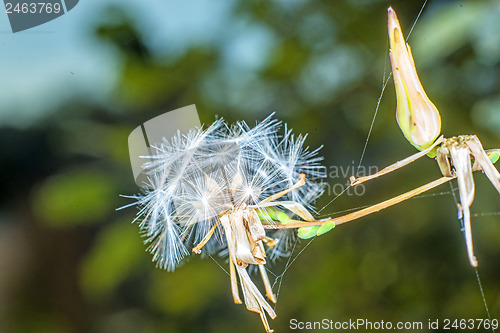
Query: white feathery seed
<point>197,177</point>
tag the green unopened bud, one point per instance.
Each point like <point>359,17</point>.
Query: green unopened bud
<point>317,230</point>
<point>273,214</point>
<point>493,155</point>
<point>307,232</point>
<point>325,227</point>
<point>417,116</point>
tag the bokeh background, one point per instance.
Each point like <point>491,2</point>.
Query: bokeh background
<point>73,89</point>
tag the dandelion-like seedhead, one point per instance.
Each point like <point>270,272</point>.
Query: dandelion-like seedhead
<point>195,178</point>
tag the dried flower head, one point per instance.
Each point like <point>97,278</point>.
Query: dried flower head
<point>215,188</point>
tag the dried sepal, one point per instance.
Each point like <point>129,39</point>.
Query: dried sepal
<point>243,252</point>
<point>484,162</point>
<point>460,156</point>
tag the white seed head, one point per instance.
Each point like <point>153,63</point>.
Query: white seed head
<point>194,178</point>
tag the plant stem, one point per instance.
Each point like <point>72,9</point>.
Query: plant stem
<point>366,211</point>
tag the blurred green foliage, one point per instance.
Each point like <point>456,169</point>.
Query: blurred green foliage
<point>117,253</point>
<point>320,66</point>
<point>74,197</point>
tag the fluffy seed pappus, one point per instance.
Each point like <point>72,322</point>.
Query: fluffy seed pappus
<point>213,189</point>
